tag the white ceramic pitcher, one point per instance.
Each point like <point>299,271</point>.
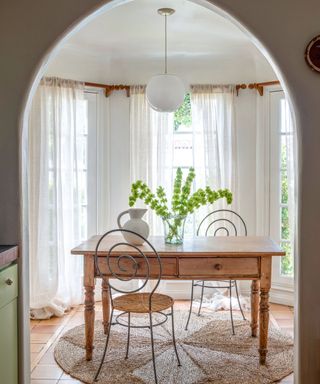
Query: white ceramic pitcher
<point>135,224</point>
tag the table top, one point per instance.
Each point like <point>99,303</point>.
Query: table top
<point>226,246</point>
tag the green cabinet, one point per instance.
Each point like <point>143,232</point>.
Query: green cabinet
<point>9,325</point>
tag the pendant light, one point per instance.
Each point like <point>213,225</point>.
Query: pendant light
<point>165,92</point>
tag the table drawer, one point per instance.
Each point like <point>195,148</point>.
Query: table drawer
<point>8,284</point>
<point>211,267</point>
<point>169,267</point>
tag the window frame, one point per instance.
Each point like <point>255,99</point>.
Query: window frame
<point>279,281</point>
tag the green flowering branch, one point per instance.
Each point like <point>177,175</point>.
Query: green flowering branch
<point>158,202</point>
<point>182,202</point>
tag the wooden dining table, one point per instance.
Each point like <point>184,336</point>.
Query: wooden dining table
<point>198,258</point>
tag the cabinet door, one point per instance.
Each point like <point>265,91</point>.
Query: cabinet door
<point>8,292</point>
<point>9,343</point>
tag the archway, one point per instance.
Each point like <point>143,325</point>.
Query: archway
<point>108,6</point>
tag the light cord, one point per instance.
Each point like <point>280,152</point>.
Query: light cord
<point>165,47</point>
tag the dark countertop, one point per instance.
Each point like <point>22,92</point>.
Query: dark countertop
<point>8,254</point>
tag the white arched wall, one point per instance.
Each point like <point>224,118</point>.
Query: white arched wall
<point>282,29</point>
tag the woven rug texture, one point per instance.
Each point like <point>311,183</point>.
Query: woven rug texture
<point>208,351</point>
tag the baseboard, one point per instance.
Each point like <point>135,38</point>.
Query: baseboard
<point>282,296</point>
<point>181,290</point>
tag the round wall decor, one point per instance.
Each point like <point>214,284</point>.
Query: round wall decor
<point>312,54</point>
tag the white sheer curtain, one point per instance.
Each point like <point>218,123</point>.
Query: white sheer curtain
<point>151,148</point>
<point>215,159</point>
<point>215,149</point>
<point>56,181</point>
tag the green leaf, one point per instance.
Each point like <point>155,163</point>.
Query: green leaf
<point>183,115</point>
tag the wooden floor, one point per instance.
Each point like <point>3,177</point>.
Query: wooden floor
<point>45,334</point>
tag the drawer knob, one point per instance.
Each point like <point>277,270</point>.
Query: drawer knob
<point>9,282</point>
<point>218,267</point>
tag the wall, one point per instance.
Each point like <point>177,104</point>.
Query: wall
<point>29,30</point>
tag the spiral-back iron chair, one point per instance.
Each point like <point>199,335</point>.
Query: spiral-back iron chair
<point>125,261</point>
<point>220,222</point>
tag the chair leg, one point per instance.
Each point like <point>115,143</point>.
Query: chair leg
<point>174,338</point>
<point>128,340</point>
<point>105,349</point>
<point>201,300</point>
<point>237,293</point>
<point>190,310</point>
<point>152,347</point>
<point>231,314</point>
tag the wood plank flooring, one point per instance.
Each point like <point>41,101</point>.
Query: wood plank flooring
<point>46,333</point>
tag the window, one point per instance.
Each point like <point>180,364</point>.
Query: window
<point>87,164</point>
<point>82,144</point>
<point>80,168</point>
<point>285,240</point>
<point>281,141</point>
<point>90,183</point>
<point>183,149</point>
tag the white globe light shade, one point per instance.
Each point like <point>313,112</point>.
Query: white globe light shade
<point>165,93</point>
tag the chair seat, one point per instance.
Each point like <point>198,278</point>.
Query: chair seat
<point>139,302</point>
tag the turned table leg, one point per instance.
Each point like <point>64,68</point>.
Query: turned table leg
<point>265,284</point>
<point>105,304</point>
<point>89,312</point>
<point>255,286</point>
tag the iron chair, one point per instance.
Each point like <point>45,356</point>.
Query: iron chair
<point>125,261</point>
<point>229,223</point>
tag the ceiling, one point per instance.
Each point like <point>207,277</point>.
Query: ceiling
<point>126,45</point>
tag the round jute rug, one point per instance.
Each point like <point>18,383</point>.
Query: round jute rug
<point>208,351</point>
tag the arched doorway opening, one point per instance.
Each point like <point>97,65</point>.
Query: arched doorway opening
<point>110,5</point>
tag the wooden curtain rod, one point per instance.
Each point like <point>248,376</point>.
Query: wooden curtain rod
<point>110,88</point>
<point>257,86</point>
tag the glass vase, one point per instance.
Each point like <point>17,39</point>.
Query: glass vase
<point>174,229</point>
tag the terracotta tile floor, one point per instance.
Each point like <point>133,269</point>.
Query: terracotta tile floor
<point>46,333</point>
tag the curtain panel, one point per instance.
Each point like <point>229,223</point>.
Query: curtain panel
<point>215,160</point>
<point>214,130</point>
<point>56,128</point>
<point>151,148</point>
